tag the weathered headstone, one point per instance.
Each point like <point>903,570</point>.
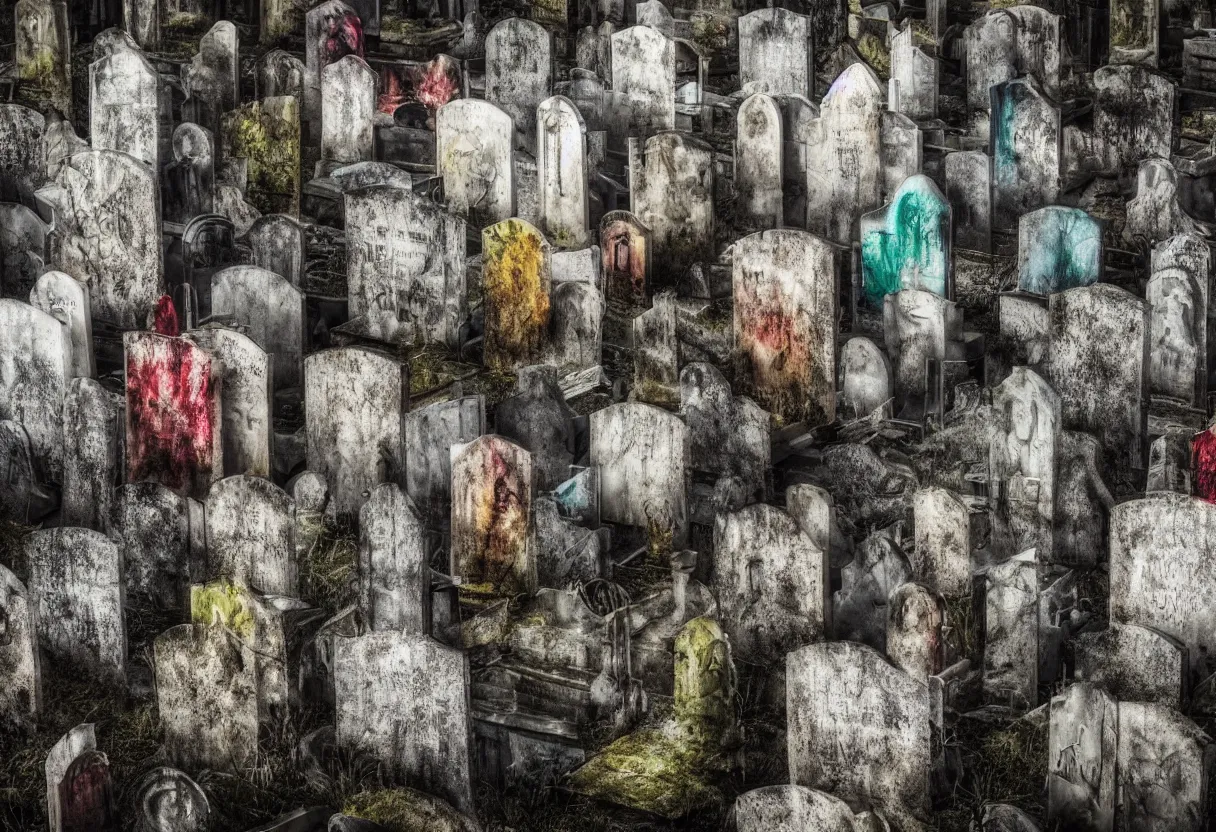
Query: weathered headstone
<point>278,245</point>
<point>394,572</point>
<point>266,134</point>
<point>151,524</point>
<point>1011,641</point>
<point>643,69</point>
<point>79,792</point>
<point>642,455</point>
<point>348,107</point>
<point>865,379</point>
<point>245,400</point>
<point>915,617</point>
<point>969,189</point>
<point>92,431</point>
<point>920,329</point>
<point>671,187</point>
<point>43,49</point>
<point>791,809</point>
<point>775,52</point>
<point>474,141</point>
<point>355,401</point>
<point>859,607</point>
<point>785,288</point>
<point>1178,329</point>
<point>562,172</point>
<point>173,430</point>
<point>625,248</point>
<point>188,182</point>
<point>1022,461</point>
<point>405,266</point>
<point>519,71</point>
<point>279,72</point>
<point>22,155</point>
<point>35,368</point>
<point>250,534</point>
<point>1133,663</point>
<point>332,30</point>
<point>759,144</point>
<point>76,580</point>
<point>771,582</point>
<point>124,106</point>
<point>1156,213</point>
<point>1098,344</point>
<point>1026,146</point>
<point>516,283</point>
<point>1058,248</point>
<point>1081,759</point>
<point>906,244</point>
<point>1164,762</point>
<point>21,696</point>
<point>492,533</point>
<point>941,557</point>
<point>430,433</point>
<point>270,310</point>
<point>104,189</point>
<point>25,493</point>
<point>858,728</point>
<point>914,76</point>
<point>429,743</point>
<point>728,435</point>
<point>212,78</point>
<point>1133,117</point>
<point>538,418</point>
<point>1134,32</point>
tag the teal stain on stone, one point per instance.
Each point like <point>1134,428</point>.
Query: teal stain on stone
<point>1058,248</point>
<point>1005,100</point>
<point>906,245</point>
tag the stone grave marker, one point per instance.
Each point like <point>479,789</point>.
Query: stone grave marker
<point>914,76</point>
<point>92,434</point>
<point>919,327</point>
<point>43,49</point>
<point>539,420</point>
<point>1135,32</point>
<point>519,72</point>
<point>1022,463</point>
<point>266,134</point>
<point>969,189</point>
<point>173,429</point>
<point>35,368</point>
<point>776,53</point>
<point>1162,768</point>
<point>394,572</point>
<point>474,141</point>
<point>859,607</point>
<point>562,171</point>
<point>151,525</point>
<point>332,30</point>
<point>516,282</point>
<point>865,379</point>
<point>759,144</point>
<point>245,400</point>
<point>22,154</point>
<point>1156,213</point>
<point>79,791</point>
<point>76,580</point>
<point>212,78</point>
<point>1058,248</point>
<point>728,435</point>
<point>1011,641</point>
<point>671,186</point>
<point>1133,117</point>
<point>625,248</point>
<point>355,401</point>
<point>278,245</point>
<point>1133,663</point>
<point>915,616</point>
<point>188,181</point>
<point>656,356</point>
<point>348,108</point>
<point>1084,738</point>
<point>785,288</point>
<point>941,557</point>
<point>250,534</point>
<point>1026,147</point>
<point>430,432</point>
<point>906,244</point>
<point>21,697</point>
<point>643,70</point>
<point>23,246</point>
<point>271,312</point>
<point>124,106</point>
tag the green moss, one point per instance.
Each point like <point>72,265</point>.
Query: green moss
<point>874,52</point>
<point>399,27</point>
<point>710,34</point>
<point>183,22</point>
<point>405,810</point>
<point>222,602</point>
<point>705,682</point>
<point>270,141</point>
<point>647,771</point>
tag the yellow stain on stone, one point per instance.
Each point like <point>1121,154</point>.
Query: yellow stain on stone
<point>516,292</point>
<point>223,603</point>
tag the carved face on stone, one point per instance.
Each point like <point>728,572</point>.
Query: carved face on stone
<point>705,681</point>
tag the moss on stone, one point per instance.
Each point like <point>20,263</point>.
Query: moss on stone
<point>705,681</point>
<point>406,810</point>
<point>222,602</point>
<point>270,141</point>
<point>874,52</point>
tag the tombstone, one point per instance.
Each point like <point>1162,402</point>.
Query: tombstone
<point>671,186</point>
<point>23,247</point>
<point>1134,32</point>
<point>915,616</point>
<point>250,534</point>
<point>332,31</point>
<point>278,245</point>
<point>1169,462</point>
<point>516,283</point>
<point>969,189</point>
<point>1026,149</point>
<point>844,176</point>
<point>1163,765</point>
<point>642,455</point>
<point>25,494</point>
<point>405,267</point>
<point>1178,335</point>
<point>914,76</point>
<point>43,49</point>
<point>858,728</point>
<point>430,433</point>
<point>1011,640</point>
<point>104,189</point>
<point>562,171</point>
<point>775,52</point>
<point>1158,547</point>
<point>519,71</point>
<point>859,608</point>
<point>919,327</point>
<point>1084,738</point>
<point>865,379</point>
<point>1082,501</point>
<point>538,419</point>
<point>358,175</point>
<point>1133,663</point>
<point>656,357</point>
<point>1023,321</point>
<point>266,134</point>
<point>728,435</point>
<point>21,696</point>
<point>906,244</point>
<point>35,368</point>
<point>643,70</point>
<point>124,106</point>
<point>173,430</point>
<point>151,525</point>
<point>188,182</point>
<point>1156,213</point>
<point>1133,117</point>
<point>784,286</point>
<point>625,248</point>
<point>245,395</point>
<point>771,582</point>
<point>169,801</point>
<point>355,401</point>
<point>492,535</point>
<point>942,555</point>
<point>75,577</point>
<point>428,744</point>
<point>1098,342</point>
<point>212,78</point>
<point>91,453</point>
<point>577,310</point>
<point>394,573</point>
<point>22,155</point>
<point>758,165</point>
<point>348,108</point>
<point>79,793</point>
<point>813,511</point>
<point>142,19</point>
<point>1058,248</point>
<point>474,152</point>
<point>1008,43</point>
<point>208,245</point>
<point>1022,464</point>
<point>270,310</point>
<point>593,49</point>
<point>279,72</point>
<point>656,16</point>
<point>791,809</point>
<point>206,690</point>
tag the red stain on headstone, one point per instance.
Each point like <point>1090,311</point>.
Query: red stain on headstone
<point>1203,456</point>
<point>165,321</point>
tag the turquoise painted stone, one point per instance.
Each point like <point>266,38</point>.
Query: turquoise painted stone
<point>1058,248</point>
<point>906,244</point>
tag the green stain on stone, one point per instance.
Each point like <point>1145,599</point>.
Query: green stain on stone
<point>1004,111</point>
<point>906,245</point>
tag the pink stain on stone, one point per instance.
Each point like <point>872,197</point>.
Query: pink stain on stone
<point>165,321</point>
